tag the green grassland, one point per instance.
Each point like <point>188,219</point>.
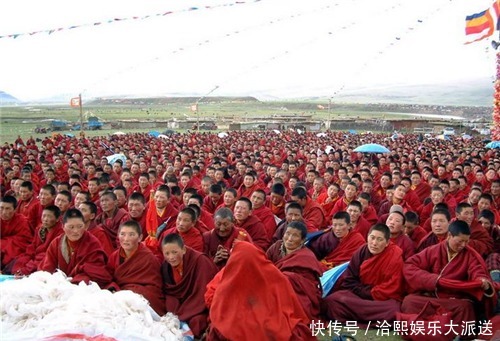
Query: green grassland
<point>22,120</point>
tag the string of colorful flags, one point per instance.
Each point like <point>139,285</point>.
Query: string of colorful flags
<point>482,25</point>
<point>124,19</point>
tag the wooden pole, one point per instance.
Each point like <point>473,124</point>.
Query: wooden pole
<point>81,115</point>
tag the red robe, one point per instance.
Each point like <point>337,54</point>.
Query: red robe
<point>266,216</point>
<point>480,239</point>
<point>192,237</point>
<point>333,251</point>
<point>139,273</point>
<point>246,292</point>
<point>370,215</point>
<point>303,271</point>
<point>327,203</point>
<point>87,262</point>
<point>30,210</point>
<point>423,190</point>
<point>106,244</point>
<point>372,287</point>
<point>15,236</point>
<point>28,262</point>
<point>313,213</point>
<point>362,227</point>
<point>210,206</point>
<point>416,235</point>
<point>429,239</point>
<point>278,210</point>
<point>186,298</point>
<point>256,230</point>
<point>110,225</point>
<point>429,273</point>
<point>405,244</point>
<point>207,219</point>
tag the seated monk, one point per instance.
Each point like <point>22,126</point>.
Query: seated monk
<point>246,293</point>
<point>186,273</point>
<point>184,226</point>
<point>312,211</point>
<point>15,233</point>
<point>372,288</point>
<point>277,200</point>
<point>50,228</point>
<point>77,253</point>
<point>300,266</point>
<point>89,212</point>
<point>395,222</point>
<point>336,246</point>
<point>358,222</point>
<point>250,223</point>
<point>219,241</point>
<point>264,213</point>
<point>480,240</point>
<point>440,221</point>
<point>134,267</point>
<point>293,212</point>
<point>452,275</point>
<point>412,228</point>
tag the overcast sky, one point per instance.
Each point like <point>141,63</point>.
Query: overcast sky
<point>277,48</point>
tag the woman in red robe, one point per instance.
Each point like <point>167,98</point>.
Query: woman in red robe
<point>186,273</point>
<point>134,267</point>
<point>77,253</point>
<point>300,266</point>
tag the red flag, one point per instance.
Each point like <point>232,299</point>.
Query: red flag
<point>75,102</point>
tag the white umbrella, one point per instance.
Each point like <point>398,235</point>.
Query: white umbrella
<point>222,135</point>
<point>328,149</point>
<point>277,131</point>
<point>321,134</point>
<point>119,133</point>
<point>162,136</point>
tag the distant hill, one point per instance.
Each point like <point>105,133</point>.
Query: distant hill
<point>167,100</point>
<point>5,98</point>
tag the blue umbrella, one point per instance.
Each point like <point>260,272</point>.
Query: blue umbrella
<point>113,158</point>
<point>493,144</point>
<point>372,148</point>
<point>331,276</point>
<point>154,133</point>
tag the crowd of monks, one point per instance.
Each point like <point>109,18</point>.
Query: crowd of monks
<point>233,233</point>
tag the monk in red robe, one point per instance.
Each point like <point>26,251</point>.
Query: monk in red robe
<point>440,221</point>
<point>312,211</point>
<point>185,227</point>
<point>396,221</point>
<point>219,241</point>
<point>111,217</point>
<point>89,212</point>
<point>250,223</point>
<point>246,292</point>
<point>264,213</point>
<point>134,267</point>
<point>452,275</point>
<point>328,199</point>
<point>413,229</point>
<point>480,240</point>
<point>186,274</point>
<point>277,200</point>
<point>372,288</point>
<point>213,199</point>
<point>28,205</point>
<point>249,185</point>
<point>422,189</point>
<point>77,253</point>
<point>51,228</point>
<point>338,245</point>
<point>358,222</point>
<point>15,233</point>
<point>300,266</point>
<point>350,193</point>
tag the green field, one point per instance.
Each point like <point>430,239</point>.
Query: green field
<point>22,120</point>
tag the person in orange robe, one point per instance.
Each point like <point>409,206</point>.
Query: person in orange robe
<point>77,253</point>
<point>186,273</point>
<point>248,290</point>
<point>338,245</point>
<point>48,230</point>
<point>134,267</point>
<point>453,275</point>
<point>300,266</point>
<point>372,288</point>
<point>15,234</point>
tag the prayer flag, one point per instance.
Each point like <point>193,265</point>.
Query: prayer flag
<point>75,102</point>
<point>482,25</point>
